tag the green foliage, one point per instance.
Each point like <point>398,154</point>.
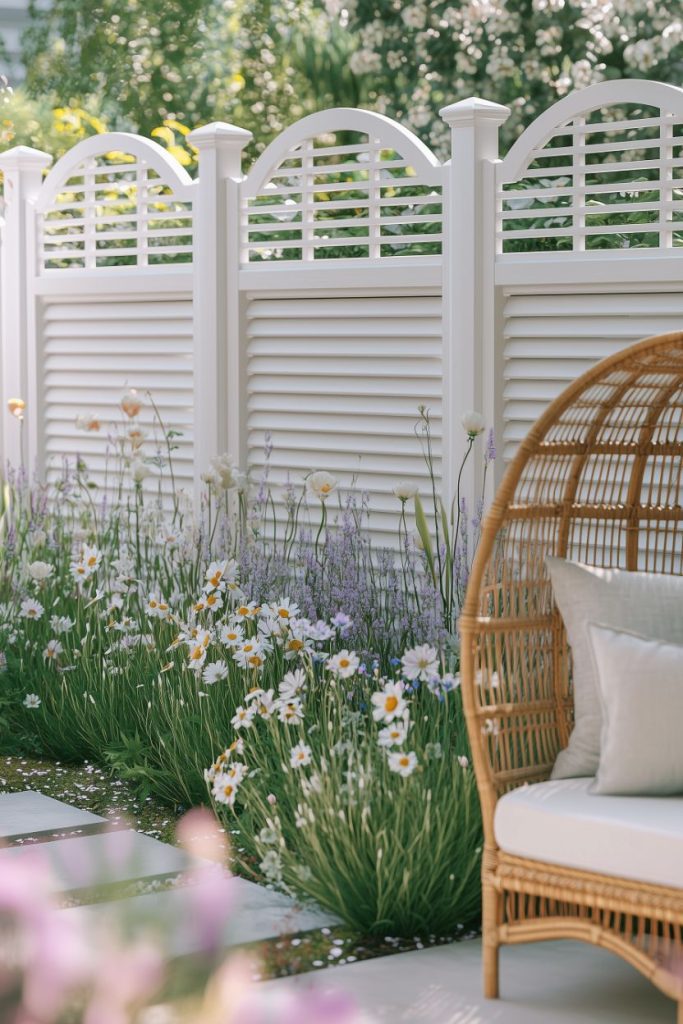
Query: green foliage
<point>419,56</point>
<point>388,854</point>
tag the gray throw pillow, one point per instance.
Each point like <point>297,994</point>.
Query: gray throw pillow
<point>642,602</point>
<point>640,685</point>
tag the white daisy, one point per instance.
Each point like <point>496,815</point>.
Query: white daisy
<point>392,735</point>
<point>232,636</point>
<point>388,704</point>
<point>31,609</point>
<point>343,664</point>
<point>420,663</point>
<point>291,712</point>
<point>40,571</point>
<point>300,755</point>
<point>53,650</point>
<point>215,672</point>
<point>243,717</point>
<point>320,485</point>
<point>404,764</point>
<point>292,684</point>
<point>31,700</point>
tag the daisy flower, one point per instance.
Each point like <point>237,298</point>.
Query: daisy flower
<point>283,609</point>
<point>219,574</point>
<point>388,704</point>
<point>243,717</point>
<point>420,663</point>
<point>232,636</point>
<point>401,763</point>
<point>31,609</point>
<point>61,623</point>
<point>392,735</point>
<point>215,672</point>
<point>343,664</point>
<point>320,485</point>
<point>292,684</point>
<point>246,611</point>
<point>53,650</point>
<point>40,571</point>
<point>300,755</point>
<point>291,712</point>
<point>31,700</point>
<point>224,790</point>
<point>261,702</point>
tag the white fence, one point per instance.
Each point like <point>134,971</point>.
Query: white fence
<point>347,279</point>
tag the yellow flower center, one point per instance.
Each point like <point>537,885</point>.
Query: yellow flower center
<point>256,661</point>
<point>197,653</point>
<point>295,645</point>
<point>344,662</point>
<point>243,610</point>
<point>326,488</point>
<point>153,604</point>
<point>283,613</point>
<point>92,560</point>
<point>391,703</point>
<point>404,761</point>
<point>229,789</point>
<point>248,647</point>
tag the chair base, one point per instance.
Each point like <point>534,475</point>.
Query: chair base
<point>529,901</point>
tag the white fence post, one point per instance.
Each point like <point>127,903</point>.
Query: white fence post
<point>22,168</point>
<point>217,344</point>
<point>468,282</point>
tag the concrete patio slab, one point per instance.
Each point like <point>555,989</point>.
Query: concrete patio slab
<point>111,857</point>
<point>253,913</point>
<point>31,813</point>
<point>541,983</point>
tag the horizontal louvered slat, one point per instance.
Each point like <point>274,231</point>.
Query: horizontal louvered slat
<point>549,340</point>
<point>337,383</point>
<point>91,352</point>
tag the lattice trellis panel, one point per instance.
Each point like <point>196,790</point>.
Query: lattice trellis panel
<point>343,194</point>
<point>115,210</point>
<point>610,178</point>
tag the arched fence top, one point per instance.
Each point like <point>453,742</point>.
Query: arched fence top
<point>115,199</point>
<point>342,182</point>
<point>575,181</point>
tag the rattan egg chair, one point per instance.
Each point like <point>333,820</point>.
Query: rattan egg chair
<point>598,479</point>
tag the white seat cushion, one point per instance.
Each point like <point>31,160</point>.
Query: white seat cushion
<point>562,822</point>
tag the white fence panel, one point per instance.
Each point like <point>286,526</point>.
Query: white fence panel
<point>551,337</point>
<point>336,382</point>
<point>93,350</point>
<point>589,229</point>
<point>345,211</point>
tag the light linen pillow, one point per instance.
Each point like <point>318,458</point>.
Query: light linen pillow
<point>640,684</point>
<point>647,603</point>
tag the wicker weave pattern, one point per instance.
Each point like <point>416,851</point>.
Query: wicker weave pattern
<point>599,478</point>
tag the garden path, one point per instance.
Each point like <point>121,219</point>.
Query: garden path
<point>541,983</point>
<point>83,850</point>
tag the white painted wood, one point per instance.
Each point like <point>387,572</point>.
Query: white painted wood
<point>468,278</point>
<point>293,195</point>
<point>22,169</point>
<point>216,291</point>
<point>337,381</point>
<point>550,338</point>
<point>91,350</point>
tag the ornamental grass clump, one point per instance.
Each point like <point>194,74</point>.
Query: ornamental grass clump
<point>355,789</point>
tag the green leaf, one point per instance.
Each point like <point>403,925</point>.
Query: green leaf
<point>423,532</point>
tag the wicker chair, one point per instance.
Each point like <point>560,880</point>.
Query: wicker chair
<point>599,479</point>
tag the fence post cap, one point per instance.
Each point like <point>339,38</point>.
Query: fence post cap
<point>473,109</point>
<point>24,158</point>
<point>219,133</point>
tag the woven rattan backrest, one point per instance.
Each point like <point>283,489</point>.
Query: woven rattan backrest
<point>597,479</point>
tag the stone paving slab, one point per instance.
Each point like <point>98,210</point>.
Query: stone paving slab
<point>32,813</point>
<point>252,913</point>
<point>111,857</point>
<point>541,983</point>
